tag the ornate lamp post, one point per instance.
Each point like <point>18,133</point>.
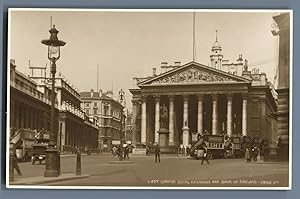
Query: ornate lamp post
<point>121,94</point>
<point>52,156</point>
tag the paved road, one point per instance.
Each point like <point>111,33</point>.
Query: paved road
<point>172,171</point>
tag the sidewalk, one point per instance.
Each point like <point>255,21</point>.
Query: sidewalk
<point>38,180</point>
<point>268,162</point>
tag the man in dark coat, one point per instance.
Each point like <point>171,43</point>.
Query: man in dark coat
<point>126,152</point>
<point>205,156</point>
<point>157,153</point>
<point>15,164</point>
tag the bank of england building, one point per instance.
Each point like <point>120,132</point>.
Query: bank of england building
<point>222,98</point>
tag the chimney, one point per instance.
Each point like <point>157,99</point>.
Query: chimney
<point>154,71</point>
<point>164,64</point>
<point>263,79</point>
<point>92,93</point>
<point>100,93</point>
<point>12,62</point>
<point>177,63</point>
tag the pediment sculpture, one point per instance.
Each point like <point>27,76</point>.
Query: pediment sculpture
<point>192,75</point>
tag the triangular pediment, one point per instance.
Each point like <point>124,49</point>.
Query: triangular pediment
<point>193,73</point>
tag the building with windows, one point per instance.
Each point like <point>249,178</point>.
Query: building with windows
<point>30,110</point>
<point>283,90</point>
<point>221,98</point>
<point>107,111</point>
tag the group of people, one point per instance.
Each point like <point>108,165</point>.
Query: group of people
<point>251,153</point>
<point>116,151</point>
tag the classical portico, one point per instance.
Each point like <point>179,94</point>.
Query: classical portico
<point>198,99</point>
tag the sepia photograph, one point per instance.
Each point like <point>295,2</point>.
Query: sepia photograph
<point>149,99</point>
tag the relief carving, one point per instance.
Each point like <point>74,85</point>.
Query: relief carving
<point>191,75</point>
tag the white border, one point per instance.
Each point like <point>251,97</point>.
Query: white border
<point>150,10</point>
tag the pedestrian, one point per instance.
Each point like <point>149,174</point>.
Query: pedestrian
<point>255,152</point>
<point>15,164</point>
<point>157,153</point>
<point>147,150</point>
<point>126,152</point>
<point>181,150</point>
<point>205,156</point>
<point>247,155</point>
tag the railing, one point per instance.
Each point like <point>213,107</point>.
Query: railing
<point>70,108</point>
<point>32,92</point>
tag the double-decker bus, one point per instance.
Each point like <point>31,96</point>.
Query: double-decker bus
<point>215,145</point>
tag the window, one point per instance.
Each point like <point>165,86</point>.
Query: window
<point>87,104</point>
<point>105,110</point>
<point>95,104</point>
<point>95,111</point>
<point>87,111</point>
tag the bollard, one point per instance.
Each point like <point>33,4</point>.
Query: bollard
<point>11,162</point>
<point>78,163</point>
<point>58,163</point>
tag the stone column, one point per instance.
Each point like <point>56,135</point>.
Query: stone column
<point>214,115</point>
<point>229,115</point>
<point>144,119</point>
<point>171,120</point>
<point>31,121</point>
<point>63,133</point>
<point>283,125</point>
<point>25,117</point>
<point>244,116</point>
<point>22,117</point>
<point>157,104</point>
<point>185,129</point>
<point>12,115</point>
<point>135,105</point>
<point>200,114</point>
<point>17,116</point>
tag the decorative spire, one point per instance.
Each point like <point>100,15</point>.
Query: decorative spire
<point>216,35</point>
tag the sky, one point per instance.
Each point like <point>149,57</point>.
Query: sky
<point>129,44</point>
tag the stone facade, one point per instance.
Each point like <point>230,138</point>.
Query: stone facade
<point>30,108</point>
<point>107,111</point>
<point>283,22</point>
<point>201,99</point>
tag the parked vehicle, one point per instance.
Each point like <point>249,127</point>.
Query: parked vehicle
<point>215,145</point>
<point>38,153</point>
<point>232,147</point>
<point>196,149</point>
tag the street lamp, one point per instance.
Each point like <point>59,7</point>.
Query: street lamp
<point>52,156</point>
<point>121,94</point>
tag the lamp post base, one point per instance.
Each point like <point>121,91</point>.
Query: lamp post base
<point>51,162</point>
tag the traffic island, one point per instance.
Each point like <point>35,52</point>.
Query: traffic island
<point>39,180</point>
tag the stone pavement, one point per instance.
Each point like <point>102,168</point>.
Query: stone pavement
<point>143,171</point>
<point>38,180</point>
